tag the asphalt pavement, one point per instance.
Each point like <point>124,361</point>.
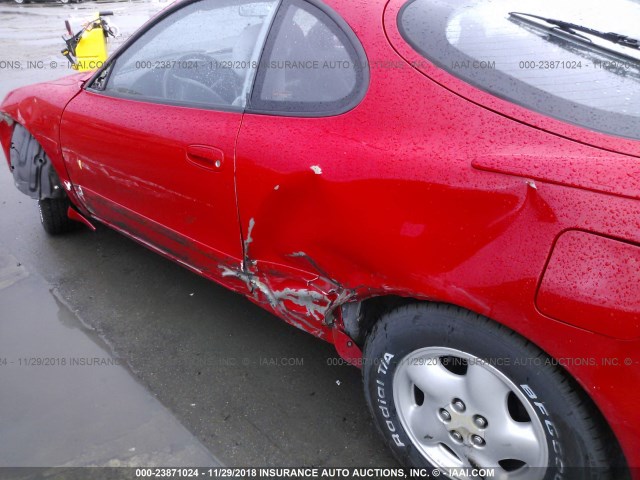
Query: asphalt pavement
<point>112,355</point>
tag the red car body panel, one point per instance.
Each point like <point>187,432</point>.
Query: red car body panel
<point>39,108</point>
<point>151,169</point>
<point>429,189</point>
<point>593,278</point>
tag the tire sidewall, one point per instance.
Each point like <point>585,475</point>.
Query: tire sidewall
<point>54,217</point>
<point>411,332</point>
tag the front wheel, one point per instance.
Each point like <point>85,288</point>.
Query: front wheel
<point>53,215</point>
<point>457,392</point>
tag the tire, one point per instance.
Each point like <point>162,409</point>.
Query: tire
<point>19,2</point>
<point>53,215</point>
<point>451,389</point>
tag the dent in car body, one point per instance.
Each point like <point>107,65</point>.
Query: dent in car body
<point>304,303</point>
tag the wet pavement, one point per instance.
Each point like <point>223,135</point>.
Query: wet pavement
<point>161,367</point>
<point>65,399</point>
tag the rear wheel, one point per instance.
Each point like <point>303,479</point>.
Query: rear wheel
<point>449,389</point>
<point>53,215</point>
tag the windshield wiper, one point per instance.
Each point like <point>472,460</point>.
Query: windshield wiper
<point>572,28</point>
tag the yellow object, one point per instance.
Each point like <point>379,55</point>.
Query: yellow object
<point>91,50</point>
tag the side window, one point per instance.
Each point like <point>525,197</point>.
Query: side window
<point>311,66</point>
<point>203,54</point>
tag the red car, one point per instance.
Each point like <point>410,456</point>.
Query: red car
<point>447,190</point>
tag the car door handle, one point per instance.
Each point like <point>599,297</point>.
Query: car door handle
<point>206,157</point>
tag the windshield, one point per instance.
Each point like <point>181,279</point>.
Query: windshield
<point>596,86</point>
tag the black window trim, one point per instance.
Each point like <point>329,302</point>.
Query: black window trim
<point>266,107</point>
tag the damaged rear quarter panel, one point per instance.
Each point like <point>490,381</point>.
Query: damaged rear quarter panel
<point>303,299</point>
<point>385,199</point>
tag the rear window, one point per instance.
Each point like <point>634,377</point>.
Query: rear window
<point>585,80</point>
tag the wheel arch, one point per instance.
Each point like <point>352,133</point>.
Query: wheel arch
<point>33,170</point>
<point>38,109</point>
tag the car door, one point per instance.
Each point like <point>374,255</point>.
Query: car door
<point>149,144</point>
<point>292,167</point>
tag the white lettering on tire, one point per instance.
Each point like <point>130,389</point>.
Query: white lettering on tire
<point>383,368</point>
<point>551,428</point>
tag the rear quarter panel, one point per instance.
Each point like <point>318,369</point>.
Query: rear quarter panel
<point>385,199</point>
